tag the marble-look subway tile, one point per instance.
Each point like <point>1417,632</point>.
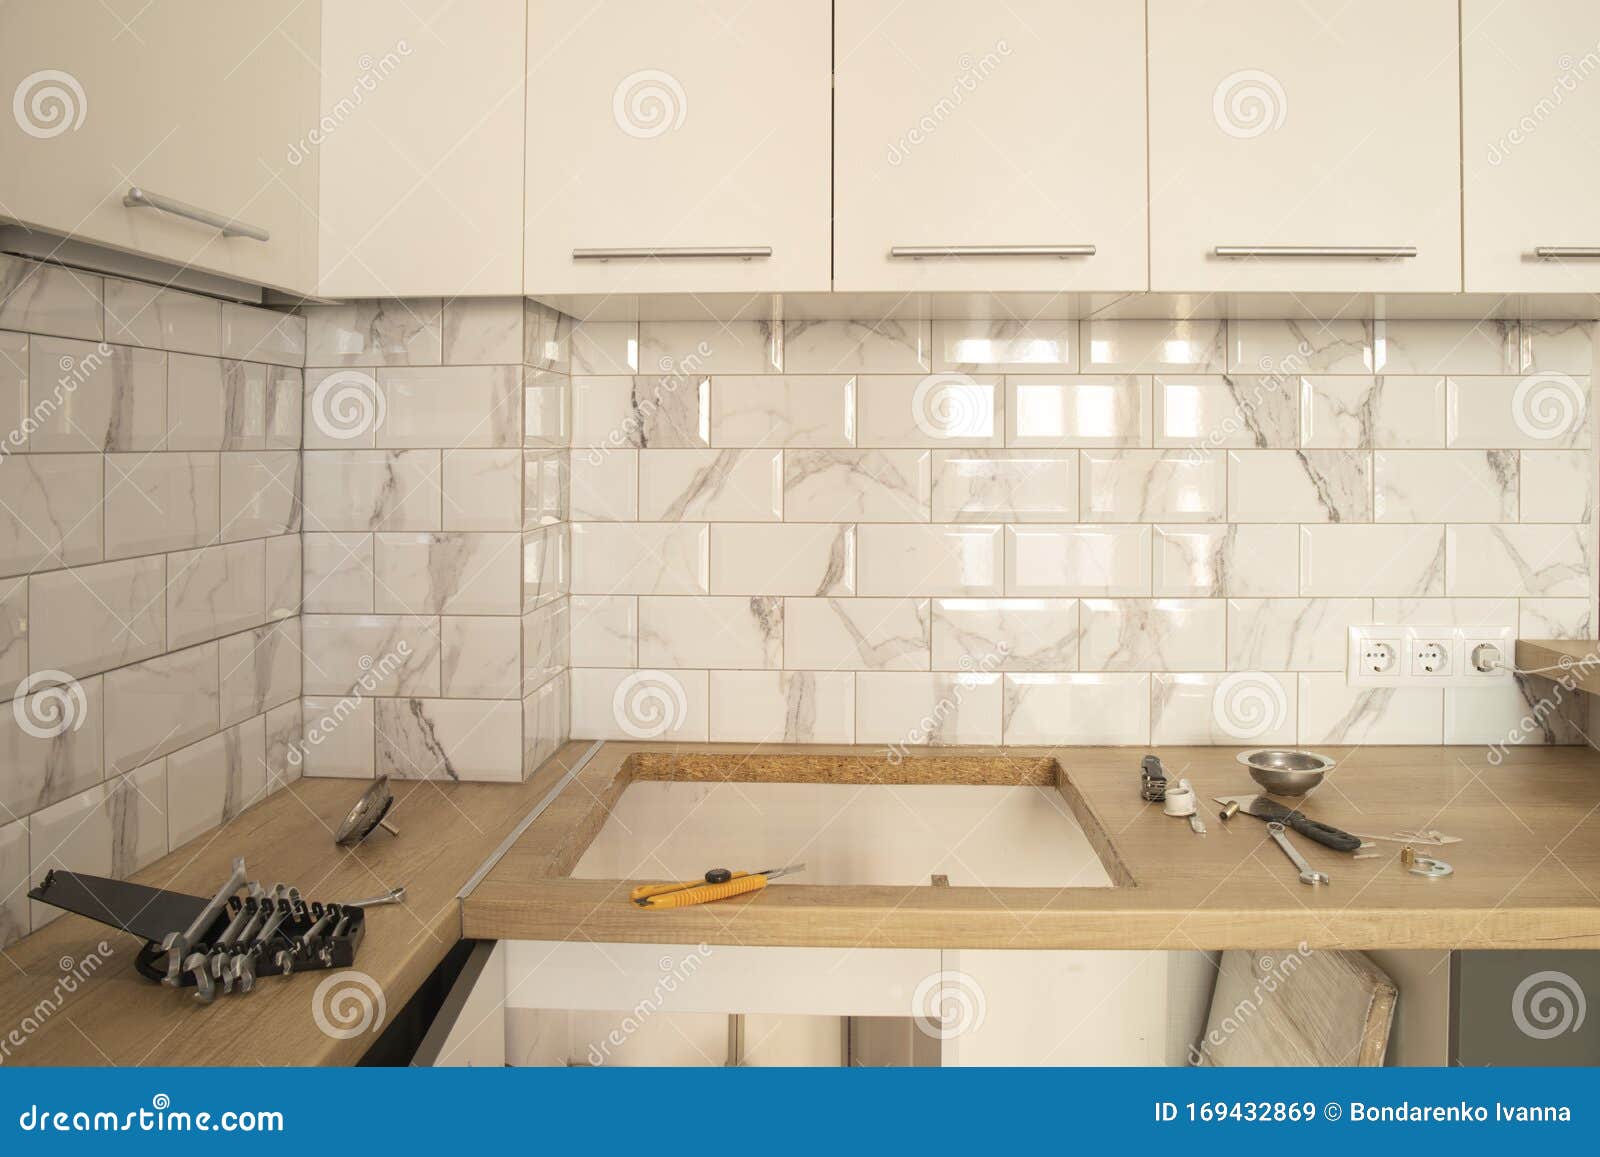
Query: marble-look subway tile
<point>14,400</point>
<point>670,706</point>
<point>960,559</point>
<point>160,705</point>
<point>163,319</point>
<point>375,333</point>
<point>211,782</point>
<point>1556,486</point>
<point>639,558</point>
<point>546,723</point>
<point>1077,560</point>
<point>604,631</point>
<point>1532,561</point>
<point>546,487</point>
<point>861,634</point>
<point>1555,619</point>
<point>713,632</point>
<point>97,617</point>
<point>1538,412</point>
<point>857,485</point>
<point>96,397</point>
<point>73,835</point>
<point>284,576</point>
<point>546,565</point>
<point>605,485</point>
<point>452,407</point>
<point>1152,486</point>
<point>656,413</point>
<point>197,403</point>
<point>13,635</point>
<point>1005,485</point>
<point>710,485</point>
<point>50,511</point>
<point>261,494</point>
<point>1522,712</point>
<point>1292,634</point>
<point>1355,561</point>
<point>1058,412</point>
<point>1005,634</point>
<point>1210,412</point>
<point>939,709</point>
<point>1042,345</point>
<point>1444,612</point>
<point>789,559</point>
<point>1242,561</point>
<point>338,739</point>
<point>545,650</point>
<point>1445,485</point>
<point>1558,347</point>
<point>259,670</point>
<point>485,489</point>
<point>1044,709</point>
<point>1297,346</point>
<point>605,347</point>
<point>361,490</point>
<point>285,745</point>
<point>453,573</point>
<point>1331,712</point>
<point>463,740</point>
<point>792,410</point>
<point>1153,635</point>
<point>782,707</point>
<point>136,805</point>
<point>1299,486</point>
<point>872,347</point>
<point>14,882</point>
<point>949,409</point>
<point>1447,347</point>
<point>1396,411</point>
<point>338,573</point>
<point>263,335</point>
<point>1201,708</point>
<point>59,752</point>
<point>215,591</point>
<point>482,331</point>
<point>546,409</point>
<point>710,347</point>
<point>546,338</point>
<point>1135,347</point>
<point>381,654</point>
<point>50,299</point>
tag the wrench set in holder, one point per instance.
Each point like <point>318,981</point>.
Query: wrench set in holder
<point>226,942</point>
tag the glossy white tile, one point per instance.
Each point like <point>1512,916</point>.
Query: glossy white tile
<point>377,654</point>
<point>605,631</point>
<point>1005,634</point>
<point>1139,346</point>
<point>1556,486</point>
<point>160,705</point>
<point>940,409</point>
<point>1060,411</point>
<point>710,485</point>
<point>1299,486</point>
<point>1298,346</point>
<point>873,347</point>
<point>1256,707</point>
<point>789,411</point>
<point>452,573</point>
<point>722,632</point>
<point>50,511</point>
<point>1292,634</point>
<point>1246,560</point>
<point>375,333</point>
<point>450,406</point>
<point>915,709</point>
<point>782,707</point>
<point>485,489</point>
<point>639,558</point>
<point>461,740</point>
<point>164,319</point>
<point>361,490</point>
<point>1418,346</point>
<point>1153,634</point>
<point>1059,709</point>
<point>1211,412</point>
<point>961,559</point>
<point>482,331</point>
<point>96,617</point>
<point>858,485</point>
<point>1547,411</point>
<point>639,705</point>
<point>1355,561</point>
<point>1331,712</point>
<point>1152,486</point>
<point>1396,411</point>
<point>1005,485</point>
<point>1532,561</point>
<point>790,559</point>
<point>1037,346</point>
<point>657,413</point>
<point>860,634</point>
<point>1077,560</point>
<point>1446,485</point>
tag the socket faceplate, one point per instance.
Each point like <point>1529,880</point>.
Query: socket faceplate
<point>1414,656</point>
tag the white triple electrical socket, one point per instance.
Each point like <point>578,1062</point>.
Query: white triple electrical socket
<point>1429,656</point>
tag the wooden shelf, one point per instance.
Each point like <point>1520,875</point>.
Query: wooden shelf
<point>1579,658</point>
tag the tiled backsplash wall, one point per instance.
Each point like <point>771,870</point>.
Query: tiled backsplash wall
<point>149,570</point>
<point>435,544</point>
<point>1118,532</point>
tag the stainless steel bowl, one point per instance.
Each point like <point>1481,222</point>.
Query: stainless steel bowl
<point>1286,770</point>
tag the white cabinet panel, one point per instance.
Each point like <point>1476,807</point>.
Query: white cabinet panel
<point>658,124</point>
<point>1530,144</point>
<point>960,125</point>
<point>198,102</point>
<point>421,164</point>
<point>1275,124</point>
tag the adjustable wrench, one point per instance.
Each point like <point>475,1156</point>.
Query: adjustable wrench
<point>1308,874</point>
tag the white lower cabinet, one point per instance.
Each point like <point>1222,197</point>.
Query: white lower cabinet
<point>553,1003</point>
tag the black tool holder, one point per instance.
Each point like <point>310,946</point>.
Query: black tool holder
<point>223,943</point>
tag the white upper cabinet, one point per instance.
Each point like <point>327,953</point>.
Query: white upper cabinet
<point>189,100</point>
<point>677,126</point>
<point>962,127</point>
<point>1531,145</point>
<point>421,149</point>
<point>1327,128</point>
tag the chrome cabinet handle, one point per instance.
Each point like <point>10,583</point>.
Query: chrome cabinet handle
<point>1558,251</point>
<point>1377,251</point>
<point>919,251</point>
<point>138,198</point>
<point>745,252</point>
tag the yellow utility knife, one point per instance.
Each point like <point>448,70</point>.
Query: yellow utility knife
<point>718,884</point>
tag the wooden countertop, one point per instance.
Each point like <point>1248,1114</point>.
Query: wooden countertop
<point>1575,662</point>
<point>1527,872</point>
<point>115,1016</point>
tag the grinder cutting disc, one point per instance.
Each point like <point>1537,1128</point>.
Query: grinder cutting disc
<point>368,814</point>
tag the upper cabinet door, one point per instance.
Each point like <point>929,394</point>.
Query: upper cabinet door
<point>422,159</point>
<point>1531,145</point>
<point>1329,128</point>
<point>668,128</point>
<point>961,127</point>
<point>188,100</point>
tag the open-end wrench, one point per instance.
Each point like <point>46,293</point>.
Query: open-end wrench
<point>308,942</point>
<point>178,944</point>
<point>244,963</point>
<point>395,895</point>
<point>1308,874</point>
<point>205,989</point>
